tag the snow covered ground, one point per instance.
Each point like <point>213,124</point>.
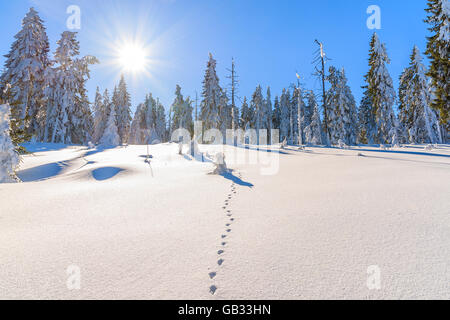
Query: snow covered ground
<point>312,230</point>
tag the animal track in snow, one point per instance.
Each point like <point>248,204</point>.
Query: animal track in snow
<point>229,197</point>
<point>212,289</point>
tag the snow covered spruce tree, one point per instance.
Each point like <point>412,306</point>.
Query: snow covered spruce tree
<point>381,91</point>
<point>111,136</point>
<point>122,104</point>
<point>366,120</point>
<point>262,115</point>
<point>438,50</point>
<point>160,122</point>
<point>313,126</point>
<point>98,113</point>
<point>308,108</point>
<point>225,115</point>
<point>9,158</point>
<point>276,114</point>
<point>24,74</point>
<point>82,118</point>
<point>149,123</point>
<point>285,115</point>
<point>297,114</point>
<point>102,108</point>
<point>417,119</point>
<point>211,95</point>
<point>342,117</point>
<point>136,136</point>
<point>182,112</point>
<point>175,110</point>
<point>267,119</point>
<point>69,118</point>
<point>247,115</point>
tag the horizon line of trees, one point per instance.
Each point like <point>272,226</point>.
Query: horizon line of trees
<point>422,98</point>
<point>48,99</point>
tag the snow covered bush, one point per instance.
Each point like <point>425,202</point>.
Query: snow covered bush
<point>419,123</point>
<point>284,144</point>
<point>9,159</point>
<point>342,145</point>
<point>111,136</point>
<point>219,162</point>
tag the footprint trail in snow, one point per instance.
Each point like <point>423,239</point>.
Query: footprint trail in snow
<point>227,232</point>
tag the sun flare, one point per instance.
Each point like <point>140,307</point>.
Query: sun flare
<point>132,58</point>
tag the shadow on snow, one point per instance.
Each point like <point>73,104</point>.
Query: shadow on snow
<point>230,176</point>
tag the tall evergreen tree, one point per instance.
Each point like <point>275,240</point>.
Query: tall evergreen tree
<point>297,112</point>
<point>82,118</point>
<point>267,119</point>
<point>257,104</point>
<point>311,102</point>
<point>247,115</point>
<point>182,112</point>
<point>24,77</point>
<point>438,50</point>
<point>276,115</point>
<point>102,107</point>
<point>381,92</point>
<point>225,114</point>
<point>285,115</point>
<point>366,120</point>
<point>137,133</point>
<point>149,123</point>
<point>160,121</point>
<point>211,95</point>
<point>419,122</point>
<point>122,105</point>
<point>69,118</point>
<point>177,110</point>
<point>342,109</point>
<point>149,119</point>
<point>313,130</point>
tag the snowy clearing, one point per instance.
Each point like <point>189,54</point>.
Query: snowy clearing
<point>173,231</point>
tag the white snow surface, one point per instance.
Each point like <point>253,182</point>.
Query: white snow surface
<point>311,231</point>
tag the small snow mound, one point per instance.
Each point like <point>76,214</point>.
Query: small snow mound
<point>342,145</point>
<point>219,162</point>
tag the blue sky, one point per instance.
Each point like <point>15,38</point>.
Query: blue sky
<point>270,40</point>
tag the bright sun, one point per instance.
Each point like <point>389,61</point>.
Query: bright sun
<point>133,58</point>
